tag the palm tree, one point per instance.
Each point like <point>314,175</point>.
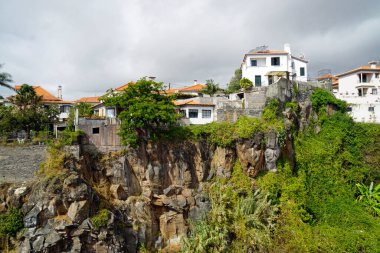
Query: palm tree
<point>5,79</point>
<point>211,87</point>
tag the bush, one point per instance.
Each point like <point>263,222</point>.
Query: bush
<point>100,219</point>
<point>11,222</point>
<point>245,83</point>
<point>321,98</point>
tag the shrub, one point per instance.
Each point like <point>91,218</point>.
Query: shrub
<point>11,222</point>
<point>245,83</point>
<point>100,219</point>
<point>321,98</point>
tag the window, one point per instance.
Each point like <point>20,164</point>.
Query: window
<point>253,63</point>
<point>257,81</point>
<point>292,65</point>
<point>96,112</point>
<point>374,91</point>
<point>349,109</point>
<point>193,113</point>
<point>64,108</point>
<point>376,75</point>
<point>302,71</point>
<point>206,114</point>
<point>275,61</point>
<point>183,112</point>
<point>111,112</point>
<point>95,130</point>
<point>371,109</point>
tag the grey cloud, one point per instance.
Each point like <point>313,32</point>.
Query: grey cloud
<point>90,46</point>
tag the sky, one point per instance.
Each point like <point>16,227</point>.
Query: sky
<point>91,46</point>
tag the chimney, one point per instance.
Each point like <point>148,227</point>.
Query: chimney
<point>287,48</point>
<point>372,64</point>
<point>59,91</point>
<point>152,78</point>
<point>195,82</point>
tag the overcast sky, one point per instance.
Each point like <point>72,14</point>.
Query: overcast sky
<point>90,46</point>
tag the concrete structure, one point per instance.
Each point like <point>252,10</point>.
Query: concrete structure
<point>360,88</point>
<point>264,67</point>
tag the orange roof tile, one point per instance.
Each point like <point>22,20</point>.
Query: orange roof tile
<point>46,96</point>
<point>88,100</point>
<point>191,102</point>
<point>169,91</point>
<point>197,87</point>
<point>124,86</point>
<point>361,68</point>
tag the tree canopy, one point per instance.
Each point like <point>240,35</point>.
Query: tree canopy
<point>245,83</point>
<point>234,84</point>
<point>5,80</point>
<point>211,87</point>
<point>143,111</point>
<point>27,113</point>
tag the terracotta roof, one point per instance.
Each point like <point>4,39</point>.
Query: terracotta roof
<point>191,102</point>
<point>124,86</point>
<point>361,68</point>
<point>169,91</point>
<point>327,76</point>
<point>47,97</point>
<point>197,87</point>
<point>88,100</point>
<point>267,52</point>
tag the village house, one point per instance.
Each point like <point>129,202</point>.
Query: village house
<point>264,67</point>
<point>196,112</point>
<point>49,99</point>
<point>330,79</point>
<point>359,87</point>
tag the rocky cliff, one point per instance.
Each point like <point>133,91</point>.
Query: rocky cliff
<point>146,195</point>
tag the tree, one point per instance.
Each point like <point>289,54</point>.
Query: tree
<point>29,112</point>
<point>5,79</point>
<point>211,87</point>
<point>84,110</point>
<point>234,84</point>
<point>245,83</point>
<point>143,111</point>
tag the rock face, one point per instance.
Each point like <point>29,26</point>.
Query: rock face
<point>150,192</point>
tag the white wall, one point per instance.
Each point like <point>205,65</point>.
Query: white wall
<point>264,66</point>
<point>199,120</point>
<point>360,113</point>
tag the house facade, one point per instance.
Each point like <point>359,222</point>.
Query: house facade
<point>196,112</point>
<point>50,99</point>
<point>360,88</point>
<point>264,67</point>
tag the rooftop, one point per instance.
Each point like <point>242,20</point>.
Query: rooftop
<point>47,97</point>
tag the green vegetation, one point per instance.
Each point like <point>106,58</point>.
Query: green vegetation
<point>84,110</point>
<point>370,197</point>
<point>11,222</point>
<point>240,218</point>
<point>245,83</point>
<point>317,200</point>
<point>5,80</point>
<point>321,97</point>
<point>100,219</point>
<point>234,84</point>
<point>326,203</point>
<point>28,113</point>
<point>143,111</point>
<point>211,87</point>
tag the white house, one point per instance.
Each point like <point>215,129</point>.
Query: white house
<point>359,87</point>
<point>264,67</point>
<point>196,112</point>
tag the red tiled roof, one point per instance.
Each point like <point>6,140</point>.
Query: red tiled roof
<point>361,68</point>
<point>191,102</point>
<point>47,97</point>
<point>196,87</point>
<point>169,91</point>
<point>124,86</point>
<point>88,100</point>
<point>268,52</point>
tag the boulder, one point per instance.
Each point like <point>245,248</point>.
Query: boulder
<point>79,211</point>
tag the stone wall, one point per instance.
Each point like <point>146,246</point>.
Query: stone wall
<point>18,163</point>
